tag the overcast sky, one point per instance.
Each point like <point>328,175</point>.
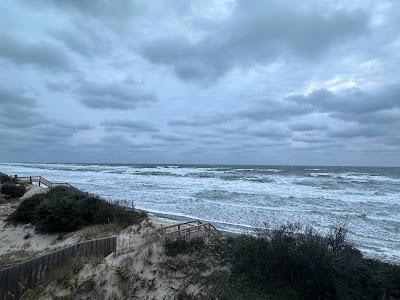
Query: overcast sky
<point>240,82</point>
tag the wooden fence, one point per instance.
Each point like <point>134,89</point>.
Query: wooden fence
<point>15,279</point>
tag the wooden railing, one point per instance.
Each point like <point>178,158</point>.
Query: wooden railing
<point>16,279</point>
<point>42,180</point>
<point>189,229</point>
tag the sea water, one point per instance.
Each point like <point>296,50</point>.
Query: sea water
<point>241,198</point>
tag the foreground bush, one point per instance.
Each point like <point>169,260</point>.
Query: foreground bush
<point>12,190</point>
<point>66,209</point>
<point>173,247</point>
<point>290,262</point>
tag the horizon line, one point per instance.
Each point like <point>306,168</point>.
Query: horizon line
<point>201,164</point>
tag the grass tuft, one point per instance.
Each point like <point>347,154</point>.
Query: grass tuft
<point>122,272</point>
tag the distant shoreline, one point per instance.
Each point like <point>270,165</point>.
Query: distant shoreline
<point>202,164</point>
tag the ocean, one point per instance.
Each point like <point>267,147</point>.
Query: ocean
<point>241,198</point>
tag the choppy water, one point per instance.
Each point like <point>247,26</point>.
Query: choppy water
<point>238,198</point>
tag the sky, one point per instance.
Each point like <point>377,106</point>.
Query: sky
<point>221,82</point>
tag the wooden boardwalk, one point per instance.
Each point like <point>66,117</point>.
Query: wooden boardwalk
<point>43,181</point>
<point>190,229</point>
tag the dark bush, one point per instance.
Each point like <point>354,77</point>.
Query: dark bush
<point>173,247</point>
<point>297,263</point>
<point>25,212</point>
<point>4,178</point>
<point>66,209</point>
<point>58,216</point>
<point>12,190</point>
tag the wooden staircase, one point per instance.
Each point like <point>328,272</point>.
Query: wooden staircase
<point>43,181</point>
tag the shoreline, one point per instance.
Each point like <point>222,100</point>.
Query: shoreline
<point>171,218</point>
<point>164,267</point>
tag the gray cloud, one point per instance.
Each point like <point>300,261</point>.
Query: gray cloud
<point>377,105</point>
<point>129,126</point>
<point>352,101</point>
<point>66,129</point>
<point>198,121</point>
<point>18,110</point>
<point>169,138</point>
<point>358,131</point>
<point>102,9</point>
<point>269,131</point>
<point>313,139</point>
<point>82,39</point>
<point>40,138</point>
<point>276,110</point>
<point>256,32</point>
<point>120,95</point>
<point>25,128</point>
<point>39,54</point>
<point>366,113</point>
<point>307,127</point>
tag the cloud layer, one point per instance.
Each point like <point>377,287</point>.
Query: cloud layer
<point>250,82</point>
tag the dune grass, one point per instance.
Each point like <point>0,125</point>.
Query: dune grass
<point>295,262</point>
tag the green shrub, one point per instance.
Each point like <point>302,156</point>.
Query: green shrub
<point>12,190</point>
<point>65,209</point>
<point>173,247</point>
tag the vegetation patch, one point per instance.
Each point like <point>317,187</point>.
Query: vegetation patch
<point>123,272</point>
<point>173,247</point>
<point>99,231</point>
<point>16,256</point>
<point>292,262</point>
<point>4,178</point>
<point>12,190</point>
<point>65,209</point>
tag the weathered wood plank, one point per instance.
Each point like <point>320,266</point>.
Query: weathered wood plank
<point>15,279</point>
